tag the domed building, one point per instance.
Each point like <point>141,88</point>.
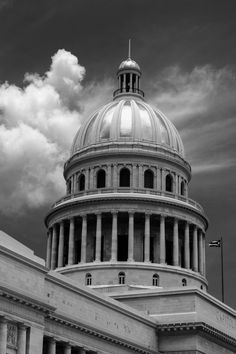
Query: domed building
<point>125,266</point>
<point>126,220</point>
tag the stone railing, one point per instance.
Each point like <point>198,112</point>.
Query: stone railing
<point>129,190</point>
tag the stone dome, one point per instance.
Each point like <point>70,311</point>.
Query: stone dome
<point>129,64</point>
<point>128,120</point>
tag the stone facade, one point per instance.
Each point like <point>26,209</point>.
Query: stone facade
<point>125,266</point>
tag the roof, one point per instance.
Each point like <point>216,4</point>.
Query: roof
<point>12,244</point>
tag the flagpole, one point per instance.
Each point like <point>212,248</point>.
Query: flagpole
<point>222,270</point>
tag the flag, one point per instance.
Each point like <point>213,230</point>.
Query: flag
<point>216,243</point>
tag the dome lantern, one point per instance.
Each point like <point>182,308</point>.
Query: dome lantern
<point>128,76</point>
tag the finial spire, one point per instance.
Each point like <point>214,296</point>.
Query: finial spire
<point>129,53</point>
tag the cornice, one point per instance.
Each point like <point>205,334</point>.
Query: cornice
<point>132,265</point>
<point>23,299</point>
<point>197,326</point>
<point>130,149</point>
<point>131,197</point>
<point>33,264</point>
<point>62,320</point>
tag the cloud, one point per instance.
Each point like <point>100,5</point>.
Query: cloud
<point>37,126</point>
<point>201,103</point>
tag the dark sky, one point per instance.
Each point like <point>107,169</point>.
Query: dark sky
<point>187,53</point>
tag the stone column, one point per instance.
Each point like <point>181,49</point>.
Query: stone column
<point>120,83</point>
<point>134,182</point>
<point>52,346</point>
<point>114,237</point>
<point>131,238</point>
<point>109,176</point>
<point>91,178</point>
<point>71,252</point>
<point>74,184</point>
<point>115,176</point>
<point>200,248</point>
<point>82,351</point>
<point>49,248</point>
<point>21,342</point>
<point>86,179</point>
<point>67,349</point>
<point>54,248</point>
<point>136,82</point>
<point>124,82</point>
<point>176,243</point>
<point>162,240</point>
<point>163,181</point>
<point>84,239</point>
<point>195,250</point>
<point>186,246</point>
<point>176,184</point>
<point>130,83</point>
<point>3,335</point>
<point>61,245</point>
<point>140,177</point>
<point>204,253</point>
<point>98,237</point>
<point>147,238</point>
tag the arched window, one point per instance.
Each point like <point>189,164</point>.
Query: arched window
<point>184,282</point>
<point>88,279</point>
<point>101,179</point>
<point>69,187</point>
<point>169,183</point>
<point>124,177</point>
<point>148,179</point>
<point>155,280</point>
<point>81,182</point>
<point>121,278</point>
<point>182,188</point>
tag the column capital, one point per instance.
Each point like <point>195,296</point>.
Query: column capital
<point>148,213</point>
<point>131,212</point>
<point>98,213</point>
<point>3,319</point>
<point>114,212</point>
<point>21,326</point>
<point>68,345</point>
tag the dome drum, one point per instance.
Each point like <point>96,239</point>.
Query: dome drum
<point>105,236</point>
<point>152,275</point>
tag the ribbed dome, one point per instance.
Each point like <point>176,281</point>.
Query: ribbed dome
<point>128,120</point>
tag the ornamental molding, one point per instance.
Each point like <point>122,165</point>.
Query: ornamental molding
<point>19,298</point>
<point>158,152</point>
<point>130,197</point>
<point>61,320</point>
<point>132,265</point>
<point>196,326</point>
